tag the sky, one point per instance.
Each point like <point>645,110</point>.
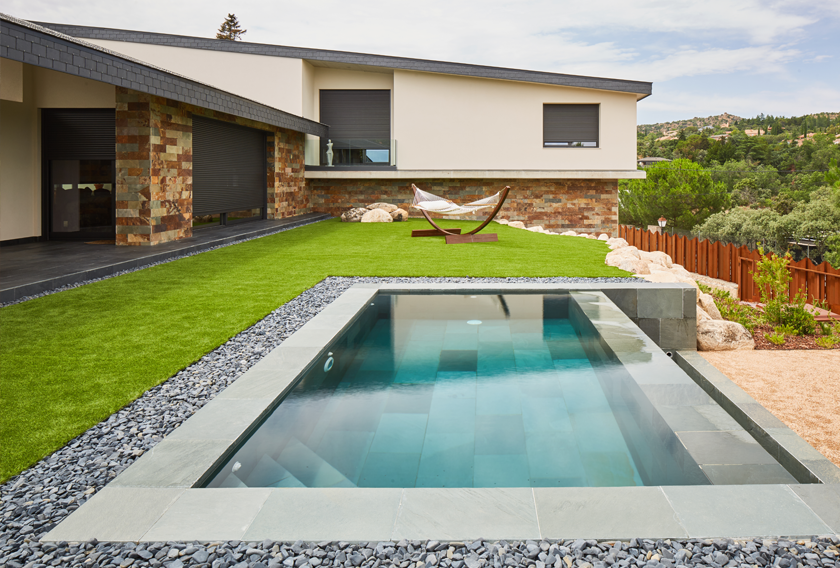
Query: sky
<point>743,57</point>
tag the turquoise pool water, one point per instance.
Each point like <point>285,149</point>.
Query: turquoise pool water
<point>461,391</point>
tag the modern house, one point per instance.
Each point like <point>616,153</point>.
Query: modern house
<point>133,136</point>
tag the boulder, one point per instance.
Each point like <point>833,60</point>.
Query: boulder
<point>376,216</point>
<point>707,304</point>
<point>722,335</point>
<point>516,224</point>
<point>569,234</point>
<point>603,237</point>
<point>658,257</point>
<point>615,257</point>
<point>634,265</point>
<point>386,207</point>
<point>502,221</point>
<point>399,215</point>
<point>592,237</point>
<point>353,215</point>
<point>536,229</point>
<point>584,235</point>
<point>661,277</point>
<point>702,315</point>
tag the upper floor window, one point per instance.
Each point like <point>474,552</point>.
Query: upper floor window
<point>570,125</point>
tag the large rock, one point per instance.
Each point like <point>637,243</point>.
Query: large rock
<point>502,221</point>
<point>569,234</point>
<point>399,215</point>
<point>376,216</point>
<point>603,237</point>
<point>353,215</point>
<point>516,224</point>
<point>661,277</point>
<point>536,229</point>
<point>707,304</point>
<point>634,265</point>
<point>616,257</point>
<point>702,315</point>
<point>722,335</point>
<point>658,257</point>
<point>616,243</point>
<point>386,207</point>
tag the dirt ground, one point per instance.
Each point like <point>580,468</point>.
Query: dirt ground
<point>801,388</point>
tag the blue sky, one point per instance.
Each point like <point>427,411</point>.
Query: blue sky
<point>738,56</point>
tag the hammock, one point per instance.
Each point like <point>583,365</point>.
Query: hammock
<point>430,203</point>
<point>425,201</point>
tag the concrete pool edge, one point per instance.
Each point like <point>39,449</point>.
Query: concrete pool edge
<point>786,446</point>
<point>154,499</point>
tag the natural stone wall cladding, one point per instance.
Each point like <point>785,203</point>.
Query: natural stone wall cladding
<point>583,205</point>
<point>154,168</point>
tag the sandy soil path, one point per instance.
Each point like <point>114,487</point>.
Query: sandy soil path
<point>802,388</point>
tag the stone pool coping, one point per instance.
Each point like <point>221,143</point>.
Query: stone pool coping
<point>154,499</point>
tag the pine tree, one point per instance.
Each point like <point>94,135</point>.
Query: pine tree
<point>230,29</point>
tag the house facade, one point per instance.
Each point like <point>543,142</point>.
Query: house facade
<point>157,131</point>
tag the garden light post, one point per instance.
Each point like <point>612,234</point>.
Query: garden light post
<point>662,222</point>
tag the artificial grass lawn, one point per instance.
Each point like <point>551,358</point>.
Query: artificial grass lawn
<point>70,360</point>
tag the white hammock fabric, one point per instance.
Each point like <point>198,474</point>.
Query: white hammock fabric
<point>431,203</point>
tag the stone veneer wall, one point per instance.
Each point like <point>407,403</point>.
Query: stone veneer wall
<point>154,168</point>
<point>583,205</point>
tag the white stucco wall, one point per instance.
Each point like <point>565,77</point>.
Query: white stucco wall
<point>20,146</point>
<point>20,179</point>
<point>273,81</point>
<point>444,122</point>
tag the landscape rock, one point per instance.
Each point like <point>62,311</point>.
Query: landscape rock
<point>516,224</point>
<point>592,236</point>
<point>603,237</point>
<point>707,304</point>
<point>659,257</point>
<point>702,315</point>
<point>376,216</point>
<point>502,221</point>
<point>536,229</point>
<point>386,207</point>
<point>722,335</point>
<point>353,215</point>
<point>633,265</point>
<point>399,215</point>
<point>569,234</point>
<point>661,277</point>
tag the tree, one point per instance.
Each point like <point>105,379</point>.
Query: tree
<point>230,29</point>
<point>681,191</point>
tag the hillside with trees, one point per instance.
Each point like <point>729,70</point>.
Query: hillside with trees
<point>769,180</point>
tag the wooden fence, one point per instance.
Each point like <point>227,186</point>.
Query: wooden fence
<point>737,264</point>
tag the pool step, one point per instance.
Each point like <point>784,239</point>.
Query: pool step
<point>232,480</point>
<point>310,468</point>
<point>269,473</point>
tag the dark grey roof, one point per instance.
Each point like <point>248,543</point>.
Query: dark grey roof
<point>30,43</point>
<point>638,87</point>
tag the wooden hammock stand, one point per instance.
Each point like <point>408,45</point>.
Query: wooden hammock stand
<point>454,236</point>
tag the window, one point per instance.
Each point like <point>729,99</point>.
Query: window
<point>570,126</point>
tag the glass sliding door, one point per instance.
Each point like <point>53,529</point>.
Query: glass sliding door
<point>82,202</point>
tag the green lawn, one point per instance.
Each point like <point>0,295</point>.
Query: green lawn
<point>71,359</point>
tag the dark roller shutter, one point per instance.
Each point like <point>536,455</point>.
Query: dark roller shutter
<point>229,167</point>
<point>79,134</point>
<point>357,114</point>
<point>570,125</point>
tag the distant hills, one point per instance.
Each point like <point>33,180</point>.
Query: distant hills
<point>726,120</point>
<point>718,121</point>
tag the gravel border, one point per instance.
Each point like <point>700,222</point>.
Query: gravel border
<point>39,498</point>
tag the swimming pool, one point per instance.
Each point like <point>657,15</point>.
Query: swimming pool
<point>484,390</point>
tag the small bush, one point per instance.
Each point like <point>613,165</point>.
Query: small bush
<point>731,310</point>
<point>828,341</point>
<point>775,338</point>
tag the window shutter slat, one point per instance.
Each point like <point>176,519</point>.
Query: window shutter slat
<point>571,125</point>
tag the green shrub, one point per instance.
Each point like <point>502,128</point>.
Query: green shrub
<point>775,338</point>
<point>828,341</point>
<point>796,317</point>
<point>773,279</point>
<point>731,310</point>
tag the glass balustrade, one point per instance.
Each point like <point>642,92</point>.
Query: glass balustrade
<point>351,152</point>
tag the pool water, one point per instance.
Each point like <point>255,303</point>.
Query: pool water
<point>460,391</point>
